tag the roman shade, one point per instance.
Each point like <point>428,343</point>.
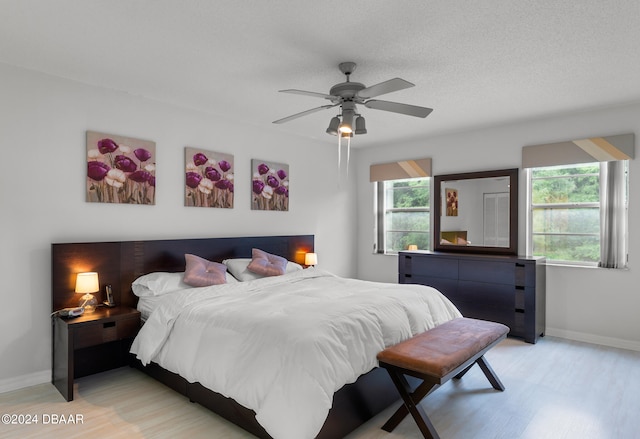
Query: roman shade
<point>572,152</point>
<point>400,170</point>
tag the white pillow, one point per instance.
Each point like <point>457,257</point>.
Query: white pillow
<point>159,283</point>
<point>238,268</point>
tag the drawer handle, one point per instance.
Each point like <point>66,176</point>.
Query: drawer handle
<point>518,264</point>
<point>520,310</point>
<point>407,275</point>
<point>519,287</point>
<point>109,325</point>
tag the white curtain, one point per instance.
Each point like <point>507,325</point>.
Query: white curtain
<point>613,218</point>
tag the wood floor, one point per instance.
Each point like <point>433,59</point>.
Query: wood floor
<point>554,389</point>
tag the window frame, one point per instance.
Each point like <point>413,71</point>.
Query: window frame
<point>569,205</point>
<point>380,209</point>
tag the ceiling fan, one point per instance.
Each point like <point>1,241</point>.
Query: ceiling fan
<point>349,94</point>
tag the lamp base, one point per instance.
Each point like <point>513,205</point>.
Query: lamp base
<point>88,302</point>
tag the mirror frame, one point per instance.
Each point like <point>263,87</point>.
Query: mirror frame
<point>513,212</point>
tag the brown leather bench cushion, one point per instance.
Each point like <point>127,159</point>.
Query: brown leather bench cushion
<point>440,350</point>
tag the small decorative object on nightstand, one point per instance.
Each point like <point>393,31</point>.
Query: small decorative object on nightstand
<point>412,247</point>
<point>91,343</point>
<point>88,283</point>
<point>310,259</point>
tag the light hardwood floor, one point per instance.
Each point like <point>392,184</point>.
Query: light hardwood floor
<point>554,389</point>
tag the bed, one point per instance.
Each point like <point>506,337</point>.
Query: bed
<point>361,392</point>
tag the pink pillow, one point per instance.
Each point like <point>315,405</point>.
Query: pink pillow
<point>201,273</point>
<point>266,264</point>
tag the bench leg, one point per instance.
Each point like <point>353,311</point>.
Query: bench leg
<point>490,374</point>
<point>412,399</point>
<point>422,420</point>
<point>421,391</point>
<point>466,369</point>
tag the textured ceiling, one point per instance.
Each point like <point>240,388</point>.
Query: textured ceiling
<point>476,63</point>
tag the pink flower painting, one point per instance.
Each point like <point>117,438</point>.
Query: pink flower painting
<point>208,178</point>
<point>120,169</point>
<point>269,185</point>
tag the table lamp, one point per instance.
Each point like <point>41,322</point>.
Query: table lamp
<point>310,259</point>
<point>87,283</point>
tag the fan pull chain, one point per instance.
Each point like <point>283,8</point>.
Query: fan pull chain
<point>339,145</point>
<point>348,154</point>
<point>340,156</point>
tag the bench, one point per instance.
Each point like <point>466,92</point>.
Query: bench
<point>435,356</point>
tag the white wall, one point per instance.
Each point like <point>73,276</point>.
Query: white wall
<point>588,304</point>
<point>43,121</point>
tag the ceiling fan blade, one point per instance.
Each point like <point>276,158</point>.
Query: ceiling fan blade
<point>389,86</point>
<point>410,110</point>
<point>308,93</point>
<point>303,113</point>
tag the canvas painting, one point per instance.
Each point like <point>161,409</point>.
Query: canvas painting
<point>120,169</point>
<point>452,202</point>
<point>269,185</point>
<point>208,178</point>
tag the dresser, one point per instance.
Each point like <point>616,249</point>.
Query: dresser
<point>504,289</point>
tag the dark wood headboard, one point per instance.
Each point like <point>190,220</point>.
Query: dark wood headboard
<point>119,263</point>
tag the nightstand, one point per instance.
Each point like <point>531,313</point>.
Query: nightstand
<point>91,343</point>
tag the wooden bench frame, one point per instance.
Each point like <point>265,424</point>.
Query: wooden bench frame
<point>412,398</point>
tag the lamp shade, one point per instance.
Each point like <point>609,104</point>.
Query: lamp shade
<point>310,259</point>
<point>412,247</point>
<point>87,282</point>
<point>360,125</point>
<point>333,126</point>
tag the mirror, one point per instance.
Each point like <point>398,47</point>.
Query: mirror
<point>476,212</point>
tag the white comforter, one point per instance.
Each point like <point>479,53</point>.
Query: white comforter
<point>283,346</point>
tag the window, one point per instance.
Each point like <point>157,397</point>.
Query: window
<point>565,210</point>
<point>403,214</point>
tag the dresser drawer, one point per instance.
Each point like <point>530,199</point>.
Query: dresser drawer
<point>488,271</point>
<point>486,294</point>
<point>448,287</point>
<point>429,266</point>
<point>104,332</point>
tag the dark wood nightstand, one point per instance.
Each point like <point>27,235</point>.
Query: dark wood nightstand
<point>91,343</point>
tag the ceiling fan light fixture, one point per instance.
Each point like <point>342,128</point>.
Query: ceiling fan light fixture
<point>347,122</point>
<point>361,128</point>
<point>333,126</point>
<point>347,95</point>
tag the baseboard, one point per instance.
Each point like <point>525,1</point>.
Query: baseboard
<point>594,339</point>
<point>19,382</point>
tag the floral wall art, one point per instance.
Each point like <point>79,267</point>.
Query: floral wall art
<point>269,186</point>
<point>120,169</point>
<point>208,178</point>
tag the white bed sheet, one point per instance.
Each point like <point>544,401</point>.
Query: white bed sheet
<point>147,304</point>
<point>283,346</point>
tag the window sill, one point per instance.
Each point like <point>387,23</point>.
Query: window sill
<point>579,265</point>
